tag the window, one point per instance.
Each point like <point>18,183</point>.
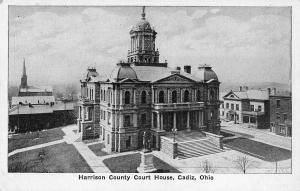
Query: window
<point>143,97</point>
<point>127,97</point>
<point>104,95</point>
<point>232,106</point>
<point>128,142</point>
<point>222,105</point>
<point>108,118</point>
<point>127,120</point>
<point>174,96</point>
<point>237,117</point>
<point>101,95</point>
<point>101,116</point>
<point>227,105</point>
<point>198,95</point>
<point>284,117</point>
<point>245,119</point>
<point>278,103</point>
<point>107,138</point>
<point>278,116</point>
<point>259,108</point>
<point>222,113</point>
<point>252,120</point>
<point>252,107</point>
<point>212,95</point>
<point>104,115</point>
<point>161,97</point>
<point>237,107</point>
<point>186,96</point>
<point>143,118</point>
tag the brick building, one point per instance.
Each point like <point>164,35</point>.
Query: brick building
<point>144,95</point>
<point>281,114</point>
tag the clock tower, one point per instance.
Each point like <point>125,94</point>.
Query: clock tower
<point>142,46</point>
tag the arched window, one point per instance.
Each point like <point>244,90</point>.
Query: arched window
<point>198,95</point>
<point>127,97</point>
<point>174,96</point>
<point>104,95</point>
<point>161,97</point>
<point>186,96</point>
<point>143,97</point>
<point>212,95</point>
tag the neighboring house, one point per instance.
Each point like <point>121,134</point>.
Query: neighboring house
<point>281,114</point>
<point>246,106</point>
<point>144,95</point>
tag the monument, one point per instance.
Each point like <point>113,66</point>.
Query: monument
<point>146,165</point>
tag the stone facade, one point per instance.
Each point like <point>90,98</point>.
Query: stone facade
<point>146,96</point>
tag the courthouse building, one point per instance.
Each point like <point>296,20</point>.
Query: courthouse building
<point>144,96</point>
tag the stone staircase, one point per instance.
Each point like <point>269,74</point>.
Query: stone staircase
<point>196,148</point>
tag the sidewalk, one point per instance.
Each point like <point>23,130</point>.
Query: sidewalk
<point>259,135</point>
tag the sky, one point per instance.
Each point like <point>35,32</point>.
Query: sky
<point>242,44</point>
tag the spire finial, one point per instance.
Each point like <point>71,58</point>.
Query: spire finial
<point>24,67</point>
<point>143,13</point>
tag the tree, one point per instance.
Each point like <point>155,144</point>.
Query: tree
<point>243,163</point>
<point>207,167</point>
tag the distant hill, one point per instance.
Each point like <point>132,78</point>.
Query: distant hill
<point>227,86</point>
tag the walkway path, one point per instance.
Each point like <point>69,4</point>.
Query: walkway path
<point>260,135</point>
<point>35,147</point>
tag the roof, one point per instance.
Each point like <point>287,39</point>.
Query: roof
<point>36,89</point>
<point>205,73</point>
<point>123,71</point>
<point>154,73</point>
<point>251,94</point>
<point>32,99</point>
<point>39,109</point>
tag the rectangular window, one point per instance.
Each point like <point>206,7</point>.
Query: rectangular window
<point>104,115</point>
<point>259,108</point>
<point>128,142</point>
<point>222,105</point>
<point>278,116</point>
<point>143,119</point>
<point>232,106</point>
<point>284,117</point>
<point>251,107</point>
<point>108,118</point>
<point>237,106</point>
<point>126,120</point>
<point>252,119</point>
<point>107,138</point>
<point>227,105</point>
<point>278,103</point>
<point>222,113</point>
<point>246,119</point>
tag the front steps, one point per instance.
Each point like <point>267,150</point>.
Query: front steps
<point>196,148</point>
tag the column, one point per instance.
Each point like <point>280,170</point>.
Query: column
<point>134,96</point>
<point>152,94</point>
<point>158,120</point>
<point>200,120</point>
<point>188,127</point>
<point>152,120</point>
<point>83,113</point>
<point>162,121</point>
<point>121,97</point>
<point>121,123</point>
<point>174,121</point>
<point>168,96</point>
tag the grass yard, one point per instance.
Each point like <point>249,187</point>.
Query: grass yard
<point>97,149</point>
<point>59,158</point>
<point>267,152</point>
<point>29,139</point>
<point>129,164</point>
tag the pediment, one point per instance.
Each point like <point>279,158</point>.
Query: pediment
<point>231,95</point>
<point>175,78</point>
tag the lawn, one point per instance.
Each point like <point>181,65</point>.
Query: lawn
<point>57,158</point>
<point>129,164</point>
<point>267,152</point>
<point>97,149</point>
<point>29,139</point>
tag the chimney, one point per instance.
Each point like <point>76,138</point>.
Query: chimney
<point>241,88</point>
<point>187,69</point>
<point>274,91</point>
<point>178,68</point>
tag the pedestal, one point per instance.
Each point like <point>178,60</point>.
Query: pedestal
<point>146,165</point>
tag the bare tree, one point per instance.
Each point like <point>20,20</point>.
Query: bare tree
<point>207,167</point>
<point>243,163</point>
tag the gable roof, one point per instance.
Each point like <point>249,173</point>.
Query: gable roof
<point>250,94</point>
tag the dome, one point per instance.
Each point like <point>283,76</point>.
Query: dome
<point>141,25</point>
<point>205,73</point>
<point>123,71</point>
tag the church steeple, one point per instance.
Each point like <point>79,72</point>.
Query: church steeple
<point>24,76</point>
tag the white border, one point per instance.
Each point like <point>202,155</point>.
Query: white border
<point>30,181</point>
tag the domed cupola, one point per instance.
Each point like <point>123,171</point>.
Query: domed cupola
<point>205,73</point>
<point>123,71</point>
<point>141,25</point>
